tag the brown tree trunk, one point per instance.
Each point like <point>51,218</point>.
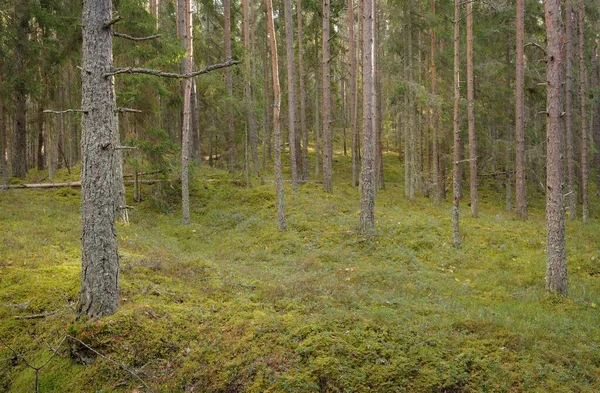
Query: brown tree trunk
<point>521,190</point>
<point>99,293</point>
<point>596,130</point>
<point>556,255</point>
<point>471,113</point>
<point>291,84</point>
<point>301,76</point>
<point>326,104</point>
<point>571,193</point>
<point>187,108</point>
<point>367,175</point>
<point>456,159</point>
<point>585,175</point>
<point>434,132</point>
<point>276,127</point>
<point>252,131</point>
<point>353,92</point>
<point>229,81</point>
<point>3,146</point>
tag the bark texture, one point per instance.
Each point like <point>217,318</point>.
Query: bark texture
<point>301,76</point>
<point>229,80</point>
<point>521,190</point>
<point>434,121</point>
<point>456,159</point>
<point>556,255</point>
<point>276,127</point>
<point>571,193</point>
<point>99,294</point>
<point>326,104</point>
<point>585,175</point>
<point>471,113</point>
<point>291,82</point>
<point>187,106</point>
<point>367,175</point>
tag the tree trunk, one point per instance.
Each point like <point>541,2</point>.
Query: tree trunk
<point>556,255</point>
<point>353,92</point>
<point>596,130</point>
<point>291,84</point>
<point>456,159</point>
<point>367,175</point>
<point>521,190</point>
<point>471,113</point>
<point>229,80</point>
<point>276,126</point>
<point>585,175</point>
<point>187,108</point>
<point>99,293</point>
<point>301,76</point>
<point>434,132</point>
<point>246,4</point>
<point>571,193</point>
<point>326,104</point>
<point>3,146</point>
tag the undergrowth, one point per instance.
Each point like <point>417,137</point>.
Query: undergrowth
<point>229,304</point>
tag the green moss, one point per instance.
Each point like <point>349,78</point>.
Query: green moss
<point>230,304</point>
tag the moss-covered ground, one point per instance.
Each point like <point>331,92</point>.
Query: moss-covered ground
<point>229,304</point>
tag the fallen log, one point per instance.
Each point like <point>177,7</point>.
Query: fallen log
<point>74,184</point>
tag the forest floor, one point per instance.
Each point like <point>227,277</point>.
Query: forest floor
<point>229,304</point>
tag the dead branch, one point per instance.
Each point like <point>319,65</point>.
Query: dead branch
<point>536,45</point>
<point>111,22</point>
<point>128,37</point>
<point>148,71</point>
<point>65,111</point>
<point>74,184</point>
<point>121,365</point>
<point>37,316</point>
<point>128,110</point>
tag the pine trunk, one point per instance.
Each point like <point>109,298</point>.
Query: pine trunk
<point>456,159</point>
<point>229,81</point>
<point>301,76</point>
<point>434,132</point>
<point>291,84</point>
<point>585,175</point>
<point>571,193</point>
<point>367,175</point>
<point>326,103</point>
<point>556,255</point>
<point>521,190</point>
<point>471,113</point>
<point>276,126</point>
<point>99,293</point>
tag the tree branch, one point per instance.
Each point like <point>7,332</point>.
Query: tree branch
<point>111,22</point>
<point>128,37</point>
<point>147,71</point>
<point>128,110</point>
<point>535,44</point>
<point>65,111</point>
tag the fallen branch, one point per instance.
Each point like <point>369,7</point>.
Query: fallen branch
<point>128,37</point>
<point>74,184</point>
<point>112,361</point>
<point>148,71</point>
<point>37,316</point>
<point>129,110</point>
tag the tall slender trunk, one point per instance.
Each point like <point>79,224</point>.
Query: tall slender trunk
<point>253,136</point>
<point>456,159</point>
<point>378,103</point>
<point>596,131</point>
<point>291,84</point>
<point>585,175</point>
<point>229,81</point>
<point>521,190</point>
<point>187,104</point>
<point>301,76</point>
<point>556,255</point>
<point>367,174</point>
<point>276,127</point>
<point>571,193</point>
<point>3,146</point>
<point>353,92</point>
<point>434,132</point>
<point>99,293</point>
<point>326,103</point>
<point>471,113</point>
